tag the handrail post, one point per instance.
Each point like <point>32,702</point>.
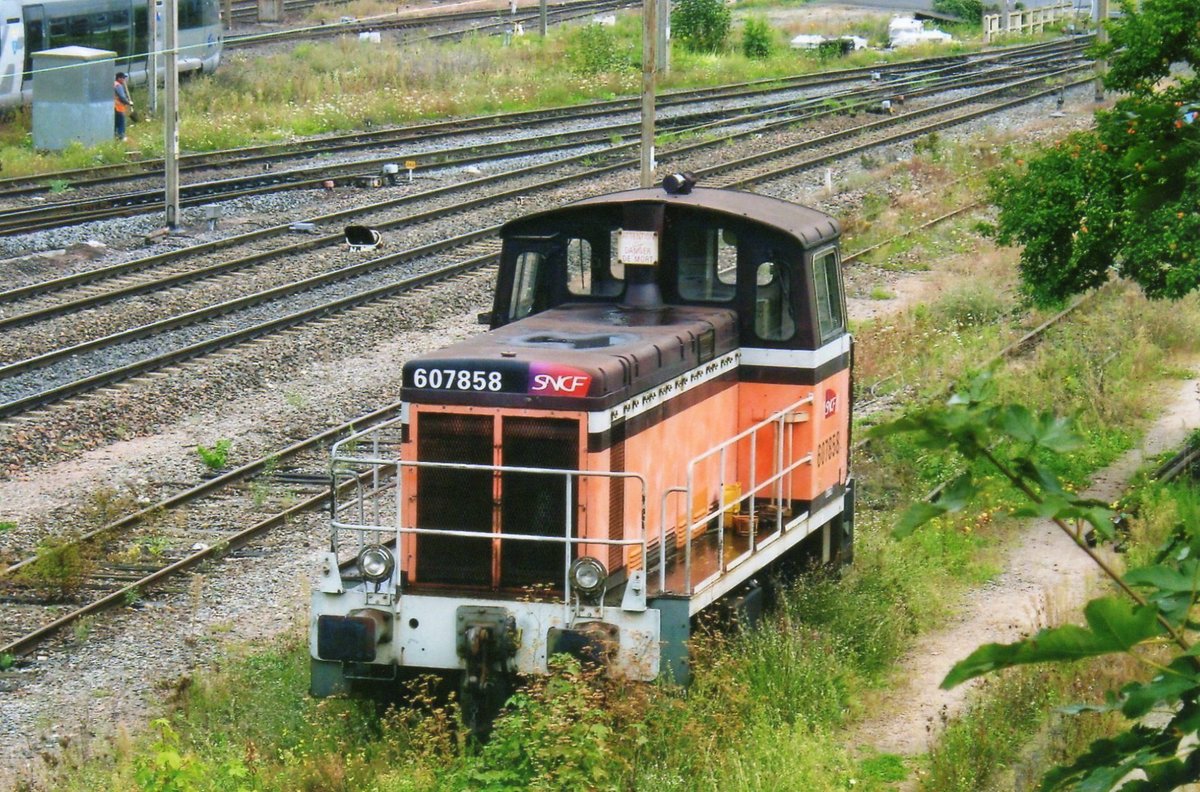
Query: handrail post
<point>567,553</point>
<point>753,485</point>
<point>687,539</point>
<point>720,513</point>
<point>399,520</point>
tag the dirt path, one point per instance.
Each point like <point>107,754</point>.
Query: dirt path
<point>1043,568</point>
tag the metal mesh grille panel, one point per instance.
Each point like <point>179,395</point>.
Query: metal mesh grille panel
<point>616,502</point>
<point>458,500</point>
<point>535,503</point>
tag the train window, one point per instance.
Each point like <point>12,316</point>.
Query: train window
<point>33,36</point>
<point>773,314</point>
<point>189,14</point>
<point>587,275</point>
<point>58,33</point>
<point>827,278</point>
<point>707,264</point>
<point>525,278</point>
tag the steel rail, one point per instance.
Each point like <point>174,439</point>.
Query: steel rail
<point>179,278</point>
<point>88,276</point>
<point>46,182</point>
<point>217,343</point>
<point>98,380</point>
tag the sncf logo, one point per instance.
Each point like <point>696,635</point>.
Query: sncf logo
<point>546,380</point>
<point>831,402</point>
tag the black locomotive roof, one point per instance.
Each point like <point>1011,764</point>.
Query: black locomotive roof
<point>810,226</point>
<point>578,357</point>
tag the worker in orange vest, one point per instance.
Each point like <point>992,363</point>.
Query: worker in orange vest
<point>121,104</point>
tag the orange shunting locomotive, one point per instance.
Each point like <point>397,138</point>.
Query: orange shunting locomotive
<point>656,422</point>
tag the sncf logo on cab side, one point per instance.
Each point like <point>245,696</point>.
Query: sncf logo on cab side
<point>831,402</point>
<point>550,380</point>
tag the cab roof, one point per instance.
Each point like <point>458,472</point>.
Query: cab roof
<point>811,227</point>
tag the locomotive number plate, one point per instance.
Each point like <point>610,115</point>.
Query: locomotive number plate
<point>456,379</point>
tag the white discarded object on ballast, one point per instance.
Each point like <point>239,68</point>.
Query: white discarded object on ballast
<point>807,41</point>
<point>815,40</point>
<point>361,238</point>
<point>906,31</point>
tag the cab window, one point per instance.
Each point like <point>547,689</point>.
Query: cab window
<point>707,264</point>
<point>827,291</point>
<point>525,281</point>
<point>774,318</point>
<point>590,275</point>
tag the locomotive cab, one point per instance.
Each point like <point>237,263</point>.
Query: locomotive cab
<point>657,419</point>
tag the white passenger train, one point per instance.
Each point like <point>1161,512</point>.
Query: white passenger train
<point>118,25</point>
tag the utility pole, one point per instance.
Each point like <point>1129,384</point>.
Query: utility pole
<point>649,38</point>
<point>1101,38</point>
<point>664,42</point>
<point>542,22</point>
<point>152,58</point>
<point>171,116</point>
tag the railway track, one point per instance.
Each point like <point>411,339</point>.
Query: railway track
<point>262,174</point>
<point>35,381</point>
<point>430,25</point>
<point>11,317</point>
<point>126,557</point>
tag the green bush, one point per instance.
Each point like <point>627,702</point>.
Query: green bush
<point>60,565</point>
<point>555,735</point>
<point>593,49</point>
<point>701,25</point>
<point>758,42</point>
<point>214,457</point>
<point>968,10</point>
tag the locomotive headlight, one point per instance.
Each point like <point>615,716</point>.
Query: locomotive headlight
<point>587,575</point>
<point>376,563</point>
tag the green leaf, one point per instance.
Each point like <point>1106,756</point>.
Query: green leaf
<point>1124,624</point>
<point>917,515</point>
<point>958,493</point>
<point>1113,626</point>
<point>1056,434</point>
<point>1165,578</point>
<point>1018,422</point>
<point>1164,689</point>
